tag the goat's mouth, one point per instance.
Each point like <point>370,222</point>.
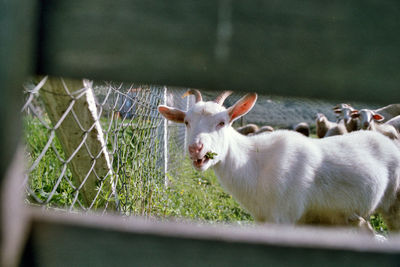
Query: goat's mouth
<point>198,163</point>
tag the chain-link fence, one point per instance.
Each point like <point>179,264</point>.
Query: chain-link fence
<point>99,146</point>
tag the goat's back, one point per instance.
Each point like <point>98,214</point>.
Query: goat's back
<point>289,176</point>
<point>395,122</point>
<point>357,170</point>
<point>389,111</point>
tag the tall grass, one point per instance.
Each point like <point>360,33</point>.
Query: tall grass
<point>43,178</point>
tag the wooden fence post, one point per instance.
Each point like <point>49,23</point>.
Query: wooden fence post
<point>81,137</point>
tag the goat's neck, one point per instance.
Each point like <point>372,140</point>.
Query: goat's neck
<point>372,126</point>
<point>236,162</point>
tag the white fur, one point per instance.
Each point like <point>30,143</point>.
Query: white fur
<point>389,111</point>
<point>395,122</point>
<point>285,177</point>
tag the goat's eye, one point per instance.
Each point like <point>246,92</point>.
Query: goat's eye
<point>221,124</point>
<point>186,123</point>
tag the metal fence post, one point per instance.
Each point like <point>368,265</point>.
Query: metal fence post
<point>166,182</point>
<point>185,140</point>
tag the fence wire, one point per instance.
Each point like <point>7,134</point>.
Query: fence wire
<point>112,154</point>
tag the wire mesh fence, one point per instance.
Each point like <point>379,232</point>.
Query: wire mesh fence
<point>99,146</point>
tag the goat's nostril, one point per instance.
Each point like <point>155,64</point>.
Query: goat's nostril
<point>195,148</point>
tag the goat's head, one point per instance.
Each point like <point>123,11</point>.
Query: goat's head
<point>321,123</point>
<point>343,111</point>
<point>208,125</point>
<point>321,119</point>
<point>366,117</point>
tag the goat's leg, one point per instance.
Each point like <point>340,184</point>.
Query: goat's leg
<point>392,216</point>
<point>361,223</point>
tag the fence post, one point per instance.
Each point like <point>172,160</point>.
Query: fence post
<point>185,140</point>
<point>81,138</point>
<point>166,181</point>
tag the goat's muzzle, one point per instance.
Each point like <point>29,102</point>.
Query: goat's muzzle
<point>197,155</point>
<point>195,149</point>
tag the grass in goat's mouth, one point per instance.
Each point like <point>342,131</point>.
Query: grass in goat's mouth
<point>210,155</point>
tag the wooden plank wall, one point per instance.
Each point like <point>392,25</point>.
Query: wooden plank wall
<point>17,54</point>
<point>71,240</point>
<point>326,49</point>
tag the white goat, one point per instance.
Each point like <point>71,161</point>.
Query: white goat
<point>370,120</point>
<point>285,177</point>
<point>388,112</point>
<point>326,128</point>
<point>395,122</point>
<point>344,113</point>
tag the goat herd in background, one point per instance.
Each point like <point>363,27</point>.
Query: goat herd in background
<point>285,177</point>
<point>384,120</point>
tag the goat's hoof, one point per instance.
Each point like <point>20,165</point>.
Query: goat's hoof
<point>380,238</point>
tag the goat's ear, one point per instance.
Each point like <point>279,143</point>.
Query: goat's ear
<point>172,114</point>
<point>242,106</point>
<point>337,111</point>
<point>378,117</point>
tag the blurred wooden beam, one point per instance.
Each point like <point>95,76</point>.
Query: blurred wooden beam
<point>17,38</point>
<point>326,49</point>
<point>18,20</point>
<point>76,240</point>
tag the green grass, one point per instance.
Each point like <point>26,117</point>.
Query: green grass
<point>378,224</point>
<point>43,178</point>
<point>198,196</point>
